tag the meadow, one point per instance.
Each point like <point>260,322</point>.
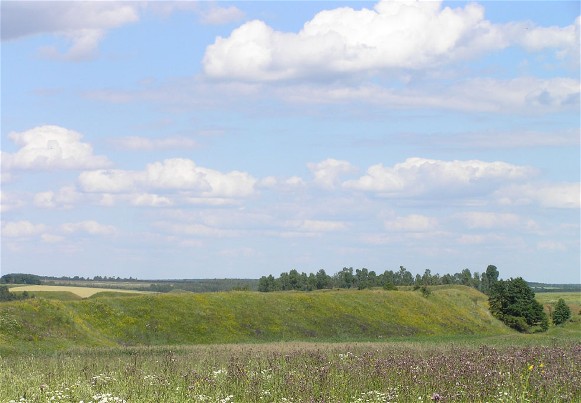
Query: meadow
<point>226,347</point>
<point>295,372</point>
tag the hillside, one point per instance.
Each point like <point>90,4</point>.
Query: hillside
<point>232,317</point>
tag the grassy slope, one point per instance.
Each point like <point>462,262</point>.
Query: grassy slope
<point>234,317</point>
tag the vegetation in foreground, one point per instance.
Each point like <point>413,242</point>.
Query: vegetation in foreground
<point>298,373</point>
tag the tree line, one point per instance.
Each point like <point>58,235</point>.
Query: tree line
<point>363,278</point>
<point>511,301</point>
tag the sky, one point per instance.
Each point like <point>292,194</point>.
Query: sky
<point>163,140</point>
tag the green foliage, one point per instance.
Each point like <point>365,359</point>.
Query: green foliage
<point>512,299</point>
<point>6,295</point>
<point>389,286</point>
<point>562,312</point>
<point>20,278</point>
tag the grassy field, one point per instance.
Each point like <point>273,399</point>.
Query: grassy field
<point>329,346</point>
<point>299,372</point>
<point>572,299</point>
<point>82,292</point>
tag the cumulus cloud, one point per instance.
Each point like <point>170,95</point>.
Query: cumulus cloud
<point>10,201</point>
<point>327,173</point>
<point>394,34</point>
<point>66,197</point>
<point>89,227</point>
<point>51,147</point>
<point>22,229</point>
<point>82,23</point>
<point>416,176</point>
<point>175,174</point>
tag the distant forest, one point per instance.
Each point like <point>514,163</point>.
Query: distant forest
<point>292,280</point>
<point>364,278</point>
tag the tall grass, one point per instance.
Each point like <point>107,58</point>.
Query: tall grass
<point>367,372</point>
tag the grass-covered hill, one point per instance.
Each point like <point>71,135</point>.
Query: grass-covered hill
<point>233,317</point>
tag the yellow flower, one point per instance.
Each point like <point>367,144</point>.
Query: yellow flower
<point>531,367</point>
<point>541,365</point>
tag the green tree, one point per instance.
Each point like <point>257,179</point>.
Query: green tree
<point>562,312</point>
<point>513,302</point>
<point>323,280</point>
<point>345,278</point>
<point>489,279</point>
<point>20,278</point>
<point>466,277</point>
<point>267,284</point>
<point>362,278</point>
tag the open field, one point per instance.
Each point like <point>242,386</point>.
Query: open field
<point>174,348</point>
<point>83,292</point>
<point>299,372</point>
<point>573,299</point>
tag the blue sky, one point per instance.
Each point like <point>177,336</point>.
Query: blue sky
<point>240,139</point>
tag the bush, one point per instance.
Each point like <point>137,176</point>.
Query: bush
<point>389,287</point>
<point>6,295</point>
<point>516,322</point>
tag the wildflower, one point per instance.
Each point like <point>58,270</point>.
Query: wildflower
<point>531,367</point>
<point>436,397</point>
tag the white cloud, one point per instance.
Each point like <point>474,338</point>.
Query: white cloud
<point>21,229</point>
<point>551,246</point>
<point>152,144</point>
<point>320,225</point>
<point>175,174</point>
<point>491,220</point>
<point>66,197</point>
<point>51,147</point>
<point>221,15</point>
<point>9,201</point>
<point>556,195</point>
<point>327,172</point>
<point>411,223</point>
<point>196,230</point>
<point>522,95</point>
<point>283,184</point>
<point>82,23</point>
<point>149,199</point>
<point>51,238</point>
<point>533,38</point>
<point>394,34</point>
<point>90,227</point>
<point>416,176</point>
